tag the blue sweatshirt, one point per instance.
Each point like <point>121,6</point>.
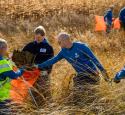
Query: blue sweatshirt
<point>122,15</point>
<point>10,74</point>
<point>108,16</point>
<point>120,75</point>
<point>79,56</point>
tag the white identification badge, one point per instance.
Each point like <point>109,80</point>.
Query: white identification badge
<point>43,50</point>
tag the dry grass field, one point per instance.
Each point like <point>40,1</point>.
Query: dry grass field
<point>18,18</point>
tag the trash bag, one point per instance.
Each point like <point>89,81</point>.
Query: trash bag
<point>100,23</point>
<point>20,87</point>
<point>117,24</point>
<point>21,58</point>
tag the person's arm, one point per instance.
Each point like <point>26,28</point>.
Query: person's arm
<point>122,15</point>
<point>120,75</point>
<point>51,61</point>
<point>88,52</point>
<point>12,74</point>
<point>27,47</point>
<point>50,54</point>
<point>108,16</point>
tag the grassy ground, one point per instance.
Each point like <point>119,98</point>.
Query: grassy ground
<point>19,18</point>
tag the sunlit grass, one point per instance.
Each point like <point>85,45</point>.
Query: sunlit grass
<point>17,21</point>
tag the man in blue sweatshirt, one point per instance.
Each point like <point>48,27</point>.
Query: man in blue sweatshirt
<point>6,74</point>
<point>80,57</point>
<point>108,19</point>
<point>122,17</point>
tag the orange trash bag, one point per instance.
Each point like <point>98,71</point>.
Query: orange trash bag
<point>100,23</point>
<point>116,24</point>
<point>21,86</point>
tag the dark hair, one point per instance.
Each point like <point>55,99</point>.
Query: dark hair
<point>40,30</point>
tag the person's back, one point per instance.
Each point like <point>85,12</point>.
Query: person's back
<point>108,16</point>
<point>81,58</point>
<point>122,17</point>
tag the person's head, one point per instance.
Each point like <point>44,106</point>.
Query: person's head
<point>3,47</point>
<point>40,33</point>
<point>111,7</point>
<point>64,40</point>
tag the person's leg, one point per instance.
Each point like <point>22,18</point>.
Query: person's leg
<point>108,27</point>
<point>43,87</point>
<point>82,79</point>
<point>122,25</point>
<point>5,108</point>
<point>84,89</point>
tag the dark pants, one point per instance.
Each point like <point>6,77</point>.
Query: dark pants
<point>5,108</point>
<point>82,79</point>
<point>42,85</point>
<point>84,89</point>
<point>122,25</point>
<point>108,27</point>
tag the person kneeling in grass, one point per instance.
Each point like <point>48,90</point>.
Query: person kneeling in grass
<point>82,59</point>
<point>6,74</point>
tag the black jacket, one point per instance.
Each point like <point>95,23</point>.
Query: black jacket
<point>43,51</point>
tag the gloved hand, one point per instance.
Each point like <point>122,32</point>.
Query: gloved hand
<point>23,69</point>
<point>44,73</point>
<point>116,81</point>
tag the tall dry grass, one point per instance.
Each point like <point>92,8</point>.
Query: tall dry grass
<point>18,19</point>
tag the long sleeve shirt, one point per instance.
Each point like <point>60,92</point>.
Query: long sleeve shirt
<point>11,74</point>
<point>120,75</point>
<point>79,56</point>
